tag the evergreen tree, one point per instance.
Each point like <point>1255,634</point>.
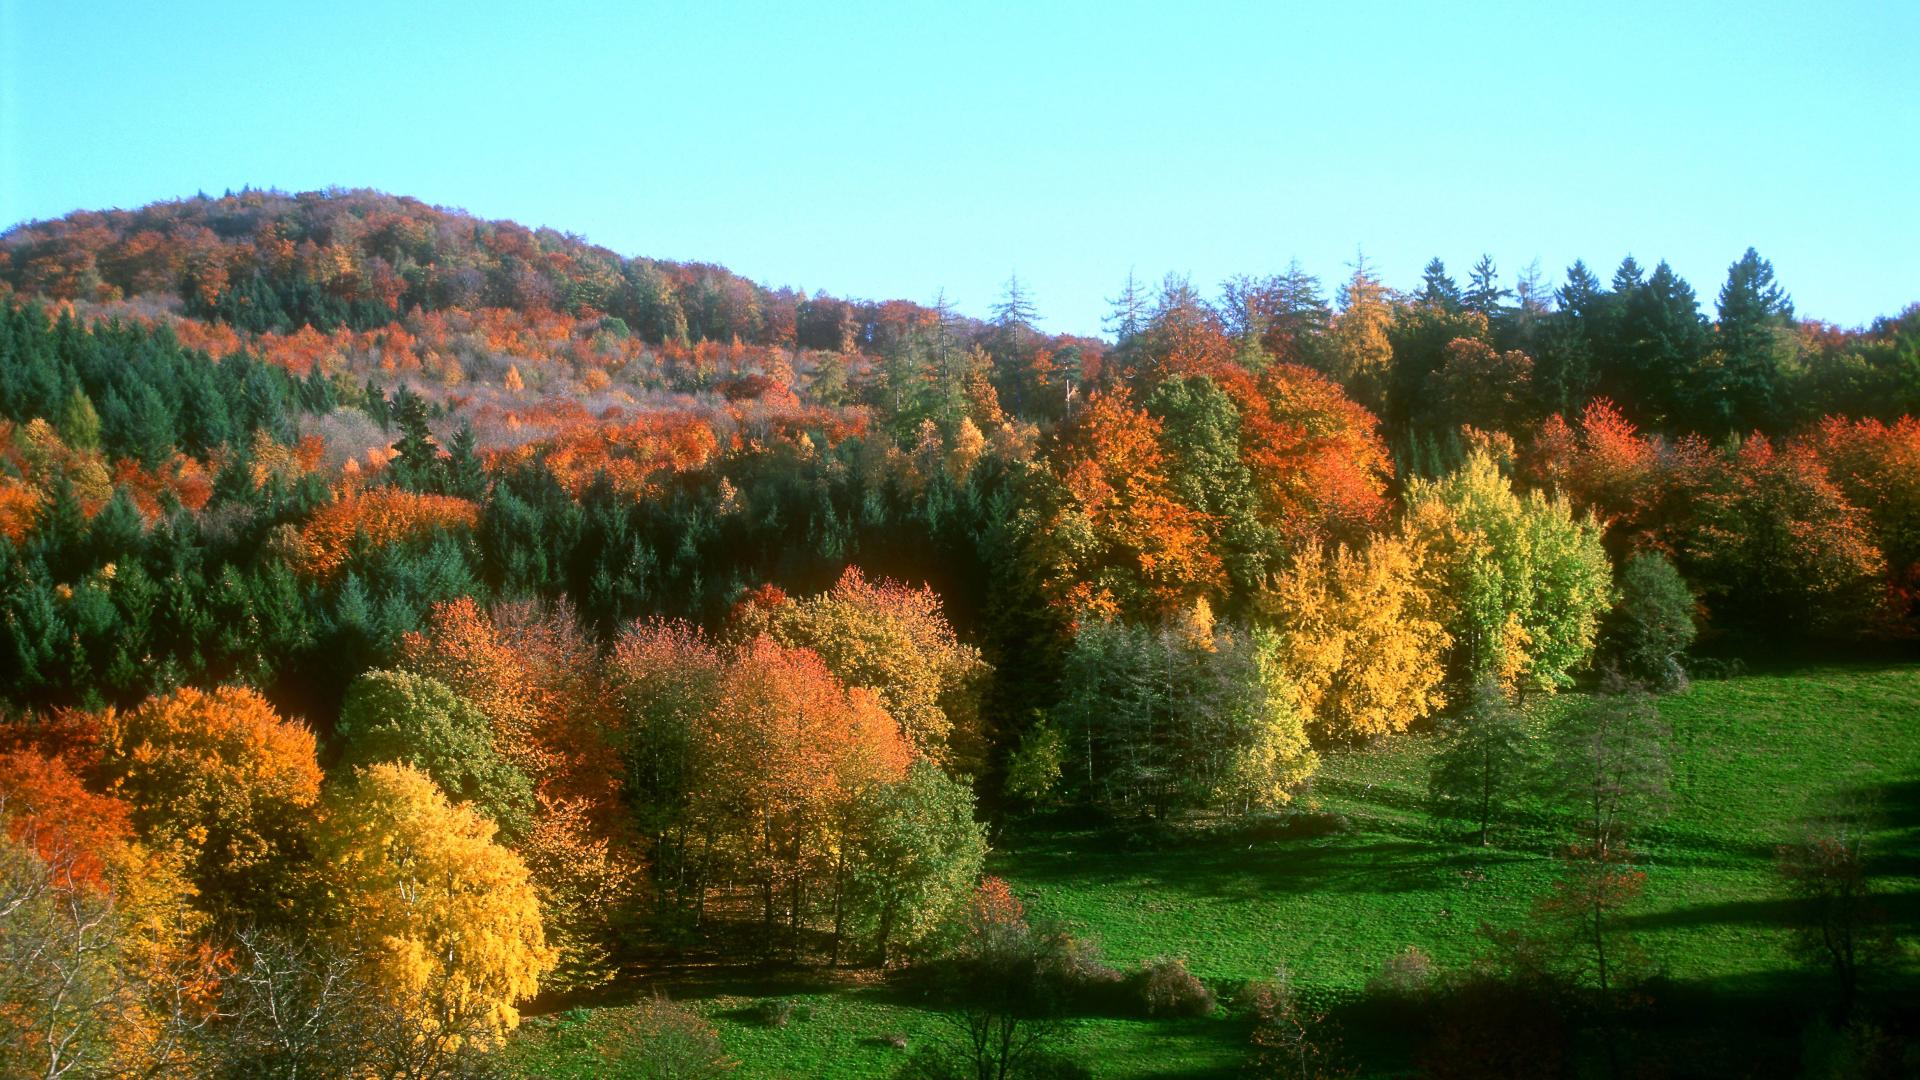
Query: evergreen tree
<point>1741,392</point>
<point>1484,294</point>
<point>1015,307</point>
<point>416,464</point>
<point>1129,315</point>
<point>1437,288</point>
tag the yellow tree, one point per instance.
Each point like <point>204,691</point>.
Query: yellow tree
<point>444,923</point>
<point>535,678</point>
<point>1362,353</point>
<point>224,778</point>
<point>1356,640</point>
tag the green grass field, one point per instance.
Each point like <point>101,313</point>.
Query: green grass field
<point>1755,755</point>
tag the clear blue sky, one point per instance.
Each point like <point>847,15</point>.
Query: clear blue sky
<point>894,149</point>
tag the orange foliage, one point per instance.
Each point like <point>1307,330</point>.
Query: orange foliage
<point>181,477</point>
<point>384,516</point>
<point>1121,515</point>
<point>1877,467</point>
<point>44,803</point>
<point>18,504</point>
<point>633,454</point>
<point>1317,457</point>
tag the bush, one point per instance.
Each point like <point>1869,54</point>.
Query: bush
<point>1167,988</point>
<point>1406,976</point>
<point>778,1012</point>
<point>650,1040</point>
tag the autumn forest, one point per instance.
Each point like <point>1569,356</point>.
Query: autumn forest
<point>433,647</point>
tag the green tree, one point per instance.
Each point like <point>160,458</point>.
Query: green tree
<point>1520,581</point>
<point>79,423</point>
<point>916,854</point>
<point>399,717</point>
<point>1610,767</point>
<point>1652,625</point>
<point>1753,335</point>
<point>1483,758</point>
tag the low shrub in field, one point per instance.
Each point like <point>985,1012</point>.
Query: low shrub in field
<point>1166,988</point>
<point>1405,977</point>
<point>651,1040</point>
<point>779,1012</point>
<point>1078,976</point>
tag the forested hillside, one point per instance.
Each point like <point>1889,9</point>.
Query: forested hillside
<point>456,613</point>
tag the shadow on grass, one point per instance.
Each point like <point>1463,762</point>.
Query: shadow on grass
<point>1230,868</point>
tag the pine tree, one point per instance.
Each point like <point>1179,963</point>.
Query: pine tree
<point>1015,308</point>
<point>1437,288</point>
<point>1128,318</point>
<point>1484,294</point>
<point>1742,391</point>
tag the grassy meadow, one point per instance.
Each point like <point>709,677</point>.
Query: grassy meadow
<point>1362,871</point>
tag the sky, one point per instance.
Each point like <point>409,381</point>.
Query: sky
<point>900,149</point>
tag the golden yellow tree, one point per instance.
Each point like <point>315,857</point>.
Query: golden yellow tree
<point>1356,639</point>
<point>223,777</point>
<point>444,922</point>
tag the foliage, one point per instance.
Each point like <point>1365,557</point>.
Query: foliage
<point>1519,581</point>
<point>1483,760</point>
<point>225,778</point>
<point>916,852</point>
<point>444,923</point>
<point>1356,639</point>
<point>896,642</point>
<point>1195,713</point>
<point>392,716</point>
<point>1840,921</point>
<point>1611,766</point>
<point>1652,623</point>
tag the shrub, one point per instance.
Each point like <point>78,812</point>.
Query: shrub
<point>777,1012</point>
<point>1167,988</point>
<point>1406,976</point>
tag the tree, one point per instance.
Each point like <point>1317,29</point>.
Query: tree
<point>1129,312</point>
<point>1839,921</point>
<point>1015,307</point>
<point>1437,287</point>
<point>1193,713</point>
<point>896,642</point>
<point>1006,1011</point>
<point>1115,536</point>
<point>228,780</point>
<point>1610,766</point>
<point>100,966</point>
<point>394,716</point>
<point>444,922</point>
<point>1484,294</point>
<point>1652,625</point>
<point>1519,581</point>
<point>1756,315</point>
<point>1483,758</point>
<point>916,851</point>
<point>1357,640</point>
<point>1362,354</point>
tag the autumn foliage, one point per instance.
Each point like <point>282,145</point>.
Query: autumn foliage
<point>382,516</point>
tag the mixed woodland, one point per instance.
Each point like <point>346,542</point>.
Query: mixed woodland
<point>407,619</point>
